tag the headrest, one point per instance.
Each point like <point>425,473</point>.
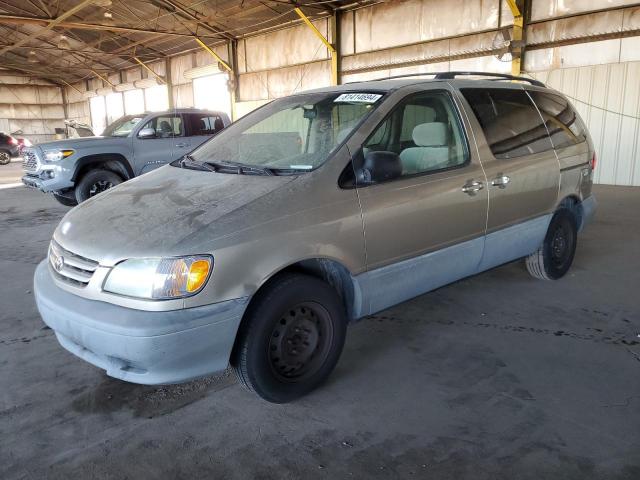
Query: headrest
<point>432,134</point>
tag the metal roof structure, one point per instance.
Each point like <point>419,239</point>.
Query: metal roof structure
<point>71,40</point>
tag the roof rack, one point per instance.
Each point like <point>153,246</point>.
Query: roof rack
<point>499,76</point>
<point>453,75</point>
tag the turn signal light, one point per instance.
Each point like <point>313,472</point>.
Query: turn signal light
<point>197,275</point>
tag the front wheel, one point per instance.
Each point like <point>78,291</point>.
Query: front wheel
<point>95,182</point>
<point>553,259</point>
<point>290,339</point>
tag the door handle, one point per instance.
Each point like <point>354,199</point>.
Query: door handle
<point>472,187</point>
<point>181,145</point>
<point>500,181</point>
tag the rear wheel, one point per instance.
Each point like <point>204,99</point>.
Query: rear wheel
<point>5,158</point>
<point>95,182</point>
<point>554,258</point>
<point>291,338</point>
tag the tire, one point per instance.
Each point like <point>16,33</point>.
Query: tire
<point>290,339</point>
<point>94,182</point>
<point>5,158</point>
<point>554,258</point>
<point>67,201</point>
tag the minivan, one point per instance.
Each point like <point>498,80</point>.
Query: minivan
<point>317,209</point>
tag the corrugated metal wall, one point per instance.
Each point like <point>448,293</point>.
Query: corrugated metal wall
<point>31,105</point>
<point>608,99</point>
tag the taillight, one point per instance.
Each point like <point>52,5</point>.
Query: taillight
<point>593,161</point>
<point>13,141</point>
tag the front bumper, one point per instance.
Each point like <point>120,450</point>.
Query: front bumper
<point>140,346</point>
<point>46,184</point>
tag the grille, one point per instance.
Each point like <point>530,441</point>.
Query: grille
<point>29,161</point>
<point>70,267</point>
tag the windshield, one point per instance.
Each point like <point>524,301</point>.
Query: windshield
<point>123,126</point>
<point>297,133</point>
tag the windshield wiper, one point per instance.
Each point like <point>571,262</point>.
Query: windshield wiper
<point>240,168</point>
<point>189,162</point>
<point>290,171</point>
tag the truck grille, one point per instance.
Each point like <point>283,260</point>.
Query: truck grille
<point>29,161</point>
<point>69,267</point>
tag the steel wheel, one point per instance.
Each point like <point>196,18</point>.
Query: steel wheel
<point>300,342</point>
<point>99,187</point>
<point>5,158</point>
<point>561,245</point>
<point>555,256</point>
<point>290,338</point>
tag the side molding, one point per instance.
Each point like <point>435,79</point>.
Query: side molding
<point>384,287</point>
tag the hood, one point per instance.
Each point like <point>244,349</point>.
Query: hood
<point>79,142</point>
<point>163,213</point>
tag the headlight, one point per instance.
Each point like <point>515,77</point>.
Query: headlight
<point>160,278</point>
<point>56,155</point>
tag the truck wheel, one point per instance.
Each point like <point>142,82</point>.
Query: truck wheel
<point>94,182</point>
<point>5,158</point>
<point>291,338</point>
<point>66,200</point>
<point>553,259</point>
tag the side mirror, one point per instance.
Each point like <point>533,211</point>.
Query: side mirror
<point>379,167</point>
<point>147,133</point>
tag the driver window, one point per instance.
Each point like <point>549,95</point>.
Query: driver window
<point>166,126</point>
<point>426,133</point>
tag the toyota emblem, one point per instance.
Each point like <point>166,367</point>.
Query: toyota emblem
<point>58,263</point>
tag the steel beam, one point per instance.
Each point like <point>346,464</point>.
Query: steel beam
<point>331,47</point>
<point>182,11</point>
<point>150,70</point>
<point>104,79</point>
<point>224,64</point>
<point>516,38</point>
<point>49,25</point>
<point>17,19</point>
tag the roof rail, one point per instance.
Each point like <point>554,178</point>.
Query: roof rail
<point>499,76</point>
<point>453,75</point>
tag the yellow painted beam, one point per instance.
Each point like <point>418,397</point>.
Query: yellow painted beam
<point>332,48</point>
<point>306,20</point>
<point>160,79</point>
<point>71,86</point>
<point>214,54</point>
<point>517,35</point>
<point>514,8</point>
<point>104,79</point>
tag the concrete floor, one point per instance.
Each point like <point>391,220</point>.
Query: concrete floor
<point>496,376</point>
<point>10,174</point>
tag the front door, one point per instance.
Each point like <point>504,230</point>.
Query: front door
<point>168,144</point>
<point>425,227</point>
<point>522,170</point>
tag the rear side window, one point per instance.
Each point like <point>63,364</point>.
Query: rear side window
<point>564,125</point>
<point>203,124</point>
<point>511,124</point>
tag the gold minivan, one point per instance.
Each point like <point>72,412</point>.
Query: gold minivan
<point>258,248</point>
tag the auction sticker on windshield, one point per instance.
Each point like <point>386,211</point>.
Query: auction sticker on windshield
<point>358,97</point>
